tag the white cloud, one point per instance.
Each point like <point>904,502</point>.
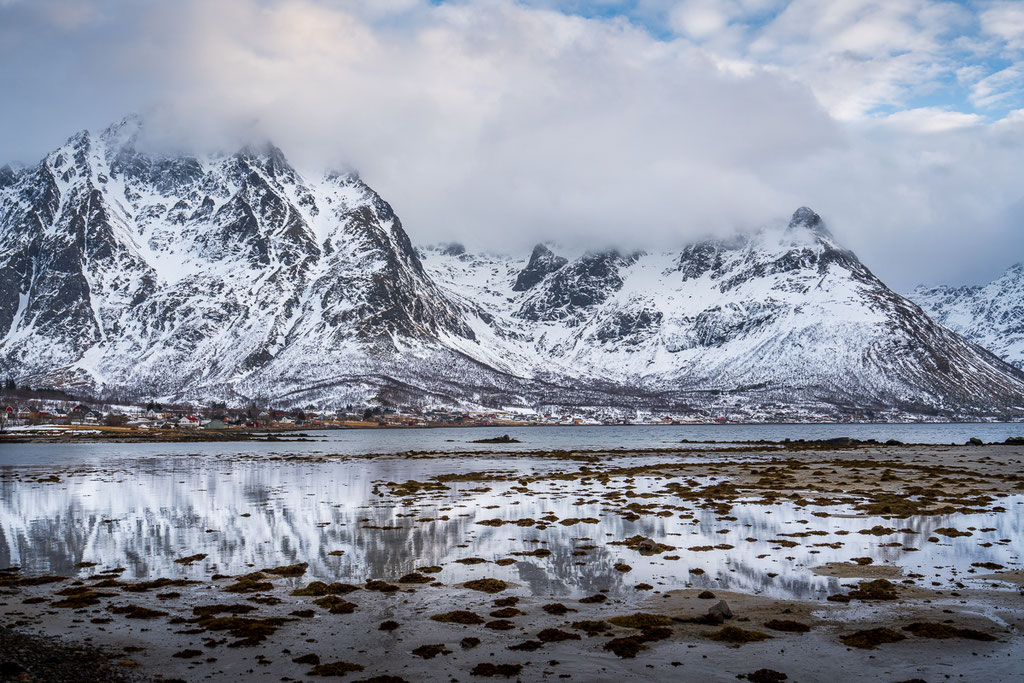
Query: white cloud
<point>497,119</point>
<point>1005,20</point>
<point>933,119</point>
<point>858,55</point>
<point>499,124</point>
<point>702,18</point>
<point>999,87</point>
<point>936,206</point>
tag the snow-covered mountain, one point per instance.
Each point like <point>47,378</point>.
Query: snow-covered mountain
<point>783,317</point>
<point>233,276</point>
<point>187,275</point>
<point>990,315</point>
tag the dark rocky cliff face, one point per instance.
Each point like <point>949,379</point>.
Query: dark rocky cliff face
<point>584,283</point>
<point>542,263</point>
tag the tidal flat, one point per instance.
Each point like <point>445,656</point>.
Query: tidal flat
<point>800,562</point>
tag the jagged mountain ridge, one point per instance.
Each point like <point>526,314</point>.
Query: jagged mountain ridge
<point>201,273</point>
<point>990,315</point>
<point>233,276</point>
<point>782,317</point>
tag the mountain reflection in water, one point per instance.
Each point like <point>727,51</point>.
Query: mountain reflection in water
<point>246,514</point>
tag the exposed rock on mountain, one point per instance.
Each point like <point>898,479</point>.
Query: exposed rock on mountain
<point>542,263</point>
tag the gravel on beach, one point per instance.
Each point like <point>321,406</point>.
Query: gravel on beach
<point>28,658</point>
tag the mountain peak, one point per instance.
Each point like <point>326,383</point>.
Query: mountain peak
<point>80,140</point>
<point>805,217</point>
<point>124,133</point>
<point>542,262</point>
<point>7,176</point>
<point>452,249</point>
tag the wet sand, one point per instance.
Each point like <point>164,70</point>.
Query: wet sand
<point>651,605</point>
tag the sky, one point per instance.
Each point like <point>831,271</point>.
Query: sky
<point>640,123</point>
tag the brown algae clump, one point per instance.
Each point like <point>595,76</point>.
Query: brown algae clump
<point>644,545</point>
<point>627,648</point>
<point>202,611</point>
<point>319,589</point>
<point>335,669</point>
<point>641,620</point>
<point>879,589</point>
<point>415,577</point>
<point>431,651</point>
<point>553,635</point>
<point>931,629</point>
<point>787,625</point>
<point>487,585</point>
<point>249,583</point>
<point>336,604</point>
<point>459,616</point>
<point>735,635</point>
<point>950,532</point>
<point>872,637</point>
<point>162,582</point>
<point>590,627</point>
<point>489,669</point>
<point>382,586</point>
<point>500,625</point>
<point>291,570</point>
<point>250,632</point>
<point>80,597</point>
<point>556,608</point>
<point>413,487</point>
<point>136,612</point>
<point>767,676</point>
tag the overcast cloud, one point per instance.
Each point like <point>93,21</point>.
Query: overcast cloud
<point>645,123</point>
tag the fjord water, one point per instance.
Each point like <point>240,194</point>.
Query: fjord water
<point>254,505</point>
<point>460,440</point>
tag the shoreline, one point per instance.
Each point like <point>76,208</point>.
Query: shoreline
<point>90,433</point>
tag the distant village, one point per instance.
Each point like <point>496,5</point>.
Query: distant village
<point>39,408</point>
<point>157,416</point>
<point>25,409</point>
<point>36,414</point>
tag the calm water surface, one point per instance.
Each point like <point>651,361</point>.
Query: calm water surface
<point>456,440</point>
<point>142,506</point>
